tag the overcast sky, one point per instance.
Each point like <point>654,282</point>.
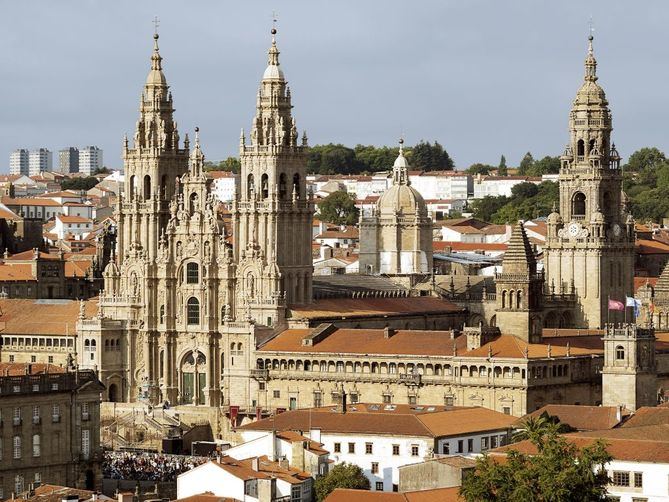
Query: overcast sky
<point>482,77</point>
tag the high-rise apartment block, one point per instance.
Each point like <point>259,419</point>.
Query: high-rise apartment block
<point>68,160</point>
<point>39,161</point>
<point>90,159</point>
<point>18,161</point>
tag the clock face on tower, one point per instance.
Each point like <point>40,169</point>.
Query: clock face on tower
<point>573,229</point>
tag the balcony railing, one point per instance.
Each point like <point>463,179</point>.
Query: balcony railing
<point>260,374</point>
<point>410,378</point>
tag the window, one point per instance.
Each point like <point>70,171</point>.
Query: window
<point>193,311</point>
<point>396,449</point>
<point>33,359</point>
<point>337,447</point>
<point>50,359</point>
<point>387,399</point>
<point>448,400</point>
<point>620,353</point>
<point>354,397</point>
<point>414,450</point>
<point>506,410</point>
<point>620,478</point>
<point>412,399</point>
<point>296,493</point>
<point>460,445</point>
<point>638,480</point>
<point>11,358</point>
<point>18,484</point>
<point>17,446</point>
<point>375,467</point>
<point>369,448</point>
<point>276,394</point>
<point>17,416</point>
<point>85,443</point>
<point>84,411</point>
<point>318,399</point>
<point>379,486</point>
<point>446,448</point>
<point>38,478</point>
<point>54,386</point>
<point>261,385</point>
<point>470,445</point>
<point>192,273</point>
<point>55,413</point>
<point>36,419</point>
<point>351,447</point>
<point>36,445</point>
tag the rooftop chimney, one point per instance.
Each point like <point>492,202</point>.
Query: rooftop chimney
<point>255,464</point>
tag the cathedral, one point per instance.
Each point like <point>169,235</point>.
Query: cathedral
<point>197,317</point>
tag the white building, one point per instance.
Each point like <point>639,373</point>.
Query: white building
<point>442,184</point>
<point>345,236</point>
<point>255,479</point>
<point>39,160</point>
<point>19,162</point>
<point>90,159</point>
<point>494,186</point>
<point>382,437</point>
<point>224,185</point>
<point>75,226</point>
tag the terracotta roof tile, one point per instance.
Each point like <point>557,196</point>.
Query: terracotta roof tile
<point>357,307</point>
<point>73,219</point>
<point>648,416</point>
<point>434,495</point>
<point>29,202</point>
<point>17,272</point>
<point>583,418</point>
<point>17,369</point>
<point>406,420</point>
<point>43,317</point>
<point>206,497</point>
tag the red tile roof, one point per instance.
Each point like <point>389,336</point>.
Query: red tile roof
<point>434,495</point>
<point>43,317</point>
<point>583,418</point>
<point>17,369</point>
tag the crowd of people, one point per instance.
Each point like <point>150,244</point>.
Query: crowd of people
<point>139,466</point>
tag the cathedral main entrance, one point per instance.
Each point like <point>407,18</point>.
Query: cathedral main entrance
<point>193,378</point>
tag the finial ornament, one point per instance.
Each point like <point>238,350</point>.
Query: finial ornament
<point>401,145</point>
<point>156,23</point>
<point>273,26</point>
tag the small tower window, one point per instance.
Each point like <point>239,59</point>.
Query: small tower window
<point>580,148</point>
<point>519,296</point>
<point>192,273</point>
<point>578,204</point>
<point>193,311</point>
<point>162,314</point>
<point>131,185</point>
<point>192,203</point>
<point>282,186</point>
<point>147,187</point>
<point>620,353</point>
<point>163,186</point>
<point>264,184</point>
<point>250,187</point>
<point>296,185</point>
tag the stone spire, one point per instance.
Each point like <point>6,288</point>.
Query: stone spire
<point>273,124</point>
<point>519,257</point>
<point>196,157</point>
<point>662,285</point>
<point>590,63</point>
<point>401,167</point>
<point>156,127</point>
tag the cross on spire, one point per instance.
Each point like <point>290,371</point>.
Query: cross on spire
<point>592,28</point>
<point>156,23</point>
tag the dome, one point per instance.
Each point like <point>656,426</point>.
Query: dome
<point>273,72</point>
<point>401,161</point>
<point>554,218</point>
<point>156,77</point>
<point>591,93</point>
<point>402,198</point>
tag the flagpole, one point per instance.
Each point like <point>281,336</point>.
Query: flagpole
<point>608,310</point>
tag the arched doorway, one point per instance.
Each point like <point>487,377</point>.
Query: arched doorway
<point>193,378</point>
<point>90,480</point>
<point>112,393</point>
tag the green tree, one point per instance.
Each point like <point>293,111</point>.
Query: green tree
<point>430,157</point>
<point>478,168</point>
<point>502,169</point>
<point>332,159</point>
<point>535,429</point>
<point>644,159</point>
<point>558,472</point>
<point>338,208</point>
<point>485,208</point>
<point>230,164</point>
<point>340,476</point>
<point>79,183</point>
<point>525,164</point>
<point>372,158</point>
<point>547,165</point>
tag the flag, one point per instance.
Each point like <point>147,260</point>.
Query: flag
<point>616,305</point>
<point>634,303</point>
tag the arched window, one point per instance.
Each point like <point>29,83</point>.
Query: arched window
<point>17,446</point>
<point>282,186</point>
<point>264,186</point>
<point>147,187</point>
<point>620,353</point>
<point>131,186</point>
<point>93,346</point>
<point>37,451</point>
<point>250,187</point>
<point>504,299</point>
<point>163,186</point>
<point>192,273</point>
<point>592,146</point>
<point>162,314</point>
<point>580,148</point>
<point>578,204</point>
<point>519,297</point>
<point>19,485</point>
<point>296,185</point>
<point>193,311</point>
<point>192,203</point>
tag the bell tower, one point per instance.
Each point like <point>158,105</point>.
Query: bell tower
<point>272,212</point>
<point>152,166</point>
<point>590,241</point>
